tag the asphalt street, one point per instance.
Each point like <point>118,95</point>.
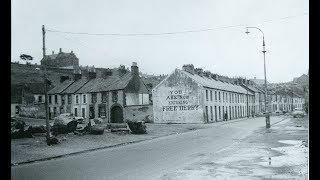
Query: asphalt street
<point>145,160</point>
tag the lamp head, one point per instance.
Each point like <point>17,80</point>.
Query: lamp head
<point>247,32</point>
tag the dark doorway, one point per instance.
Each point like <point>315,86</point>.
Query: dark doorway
<point>91,112</point>
<point>83,112</point>
<point>116,115</point>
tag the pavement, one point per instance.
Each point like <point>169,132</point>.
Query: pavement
<point>160,158</point>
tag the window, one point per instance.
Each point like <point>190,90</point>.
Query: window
<point>210,95</point>
<point>219,96</point>
<point>56,99</point>
<point>104,96</point>
<point>40,99</point>
<point>137,99</point>
<point>114,96</point>
<point>76,112</point>
<point>84,99</point>
<point>102,110</point>
<point>50,99</point>
<point>230,97</point>
<point>222,96</point>
<point>93,97</point>
<point>69,98</point>
<point>215,112</point>
<point>219,113</point>
<point>215,96</point>
<point>211,112</point>
<point>83,112</point>
<point>207,118</point>
<point>62,99</point>
<point>207,96</point>
<point>150,98</point>
<point>77,99</point>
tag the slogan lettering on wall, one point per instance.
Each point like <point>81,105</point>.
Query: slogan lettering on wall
<point>178,100</point>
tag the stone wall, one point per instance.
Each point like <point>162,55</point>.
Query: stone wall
<point>138,113</point>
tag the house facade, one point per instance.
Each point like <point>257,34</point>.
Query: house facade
<point>193,96</point>
<point>113,96</point>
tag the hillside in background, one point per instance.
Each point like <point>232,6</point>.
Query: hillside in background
<point>28,73</point>
<point>22,73</point>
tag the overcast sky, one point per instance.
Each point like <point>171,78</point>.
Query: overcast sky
<point>226,51</point>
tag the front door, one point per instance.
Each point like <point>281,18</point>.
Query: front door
<point>91,111</point>
<point>83,112</point>
<point>116,114</point>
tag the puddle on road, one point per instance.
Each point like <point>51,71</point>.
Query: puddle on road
<point>250,162</point>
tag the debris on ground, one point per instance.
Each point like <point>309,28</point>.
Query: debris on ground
<point>52,141</point>
<point>37,129</point>
<point>64,129</point>
<point>98,120</point>
<point>138,127</point>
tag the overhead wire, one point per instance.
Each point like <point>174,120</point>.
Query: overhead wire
<point>166,33</point>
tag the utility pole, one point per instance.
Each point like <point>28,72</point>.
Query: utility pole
<point>45,83</point>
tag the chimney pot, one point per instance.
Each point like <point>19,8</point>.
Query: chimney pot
<point>134,69</point>
<point>188,68</point>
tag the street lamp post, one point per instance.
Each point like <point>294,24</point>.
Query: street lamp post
<point>265,77</point>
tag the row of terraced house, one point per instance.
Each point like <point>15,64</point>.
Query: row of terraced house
<point>114,96</point>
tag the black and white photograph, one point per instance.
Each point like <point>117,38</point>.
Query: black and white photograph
<point>159,89</point>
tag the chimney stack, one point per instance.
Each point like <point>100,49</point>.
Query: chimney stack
<point>122,70</point>
<point>63,78</point>
<point>188,68</point>
<point>199,71</point>
<point>207,74</point>
<point>52,52</point>
<point>107,72</point>
<point>77,74</point>
<point>134,69</point>
<point>60,50</point>
<point>92,73</point>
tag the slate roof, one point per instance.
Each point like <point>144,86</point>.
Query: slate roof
<point>75,86</point>
<point>60,87</point>
<point>106,84</point>
<point>212,83</point>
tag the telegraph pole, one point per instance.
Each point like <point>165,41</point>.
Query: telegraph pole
<point>45,83</point>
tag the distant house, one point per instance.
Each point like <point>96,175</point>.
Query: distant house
<point>259,82</point>
<point>193,96</point>
<point>27,99</point>
<point>61,59</point>
<point>253,104</point>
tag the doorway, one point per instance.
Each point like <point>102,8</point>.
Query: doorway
<point>116,114</point>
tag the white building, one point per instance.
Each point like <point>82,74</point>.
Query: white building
<point>193,96</point>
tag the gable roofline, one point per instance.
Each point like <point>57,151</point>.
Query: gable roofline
<point>161,82</point>
<point>225,86</point>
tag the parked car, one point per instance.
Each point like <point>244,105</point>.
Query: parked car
<point>298,113</point>
<point>278,112</point>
